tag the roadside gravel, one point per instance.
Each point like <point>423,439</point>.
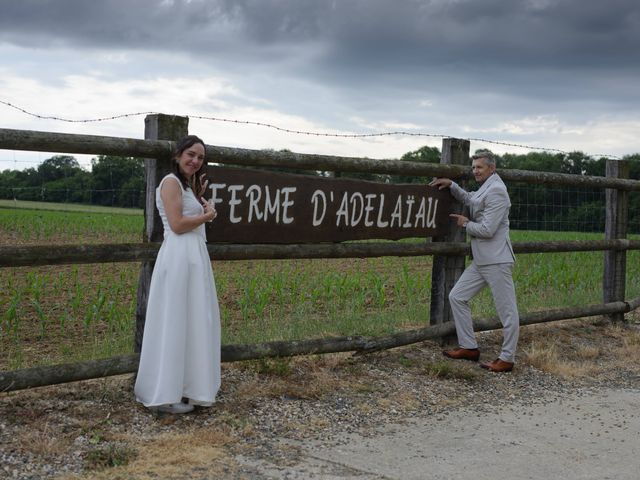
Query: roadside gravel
<point>267,411</point>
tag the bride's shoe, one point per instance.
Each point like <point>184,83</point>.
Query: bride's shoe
<point>177,408</point>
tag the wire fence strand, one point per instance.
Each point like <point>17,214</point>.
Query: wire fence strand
<point>395,133</point>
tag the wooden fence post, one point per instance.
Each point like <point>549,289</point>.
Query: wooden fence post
<point>156,127</point>
<point>447,269</point>
<point>616,222</point>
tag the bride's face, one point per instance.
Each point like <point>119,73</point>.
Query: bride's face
<point>191,159</point>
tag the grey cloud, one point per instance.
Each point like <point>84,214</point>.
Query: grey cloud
<point>523,50</point>
<point>363,31</point>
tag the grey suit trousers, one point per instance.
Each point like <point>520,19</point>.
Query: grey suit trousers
<point>499,279</point>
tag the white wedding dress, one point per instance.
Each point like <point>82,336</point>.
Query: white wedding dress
<point>181,345</point>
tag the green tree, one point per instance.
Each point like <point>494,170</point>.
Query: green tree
<point>634,197</point>
<point>58,166</point>
<point>73,189</point>
<point>424,154</point>
<point>575,163</point>
<point>20,184</point>
<point>8,183</point>
<point>535,161</point>
<point>555,207</point>
<point>116,180</point>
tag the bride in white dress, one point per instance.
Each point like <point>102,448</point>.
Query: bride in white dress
<point>180,357</point>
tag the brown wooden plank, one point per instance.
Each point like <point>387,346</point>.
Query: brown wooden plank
<point>127,252</point>
<point>12,139</point>
<point>446,270</point>
<point>616,223</point>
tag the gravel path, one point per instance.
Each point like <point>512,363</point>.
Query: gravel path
<point>312,417</point>
<point>591,434</point>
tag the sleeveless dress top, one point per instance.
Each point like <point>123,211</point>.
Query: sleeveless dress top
<point>180,354</point>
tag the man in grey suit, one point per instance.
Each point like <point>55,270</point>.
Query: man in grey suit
<point>492,265</point>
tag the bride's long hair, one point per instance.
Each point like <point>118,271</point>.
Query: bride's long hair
<point>195,184</point>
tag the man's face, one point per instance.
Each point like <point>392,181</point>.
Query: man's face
<point>481,169</point>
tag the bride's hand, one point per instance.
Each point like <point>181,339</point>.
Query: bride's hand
<point>203,183</point>
<point>209,211</point>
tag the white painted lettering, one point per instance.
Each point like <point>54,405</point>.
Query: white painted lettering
<point>214,192</point>
<point>272,207</point>
<point>343,211</point>
<point>396,216</point>
<point>380,223</point>
<point>368,208</point>
<point>286,203</point>
<point>254,193</point>
<point>421,214</point>
<point>359,210</point>
<point>431,217</point>
<point>233,201</point>
<point>317,198</point>
<point>410,201</point>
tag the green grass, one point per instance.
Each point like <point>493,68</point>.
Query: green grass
<point>59,314</point>
<point>67,207</point>
<point>25,226</point>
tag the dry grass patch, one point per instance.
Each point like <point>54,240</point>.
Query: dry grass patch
<point>546,357</point>
<point>565,349</point>
<point>588,352</point>
<point>42,440</point>
<point>364,408</point>
<point>318,422</point>
<point>581,348</point>
<point>625,340</point>
<point>296,377</point>
<point>364,386</point>
<point>631,348</point>
<point>407,401</point>
<point>451,369</point>
<point>111,455</point>
<point>170,456</point>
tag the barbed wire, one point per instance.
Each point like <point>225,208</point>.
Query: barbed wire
<point>44,190</point>
<point>70,120</point>
<point>8,160</point>
<point>303,132</point>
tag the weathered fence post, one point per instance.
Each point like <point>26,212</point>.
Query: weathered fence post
<point>447,269</point>
<point>617,215</point>
<point>156,127</point>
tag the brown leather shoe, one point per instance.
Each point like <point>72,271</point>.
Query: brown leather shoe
<point>498,365</point>
<point>472,354</point>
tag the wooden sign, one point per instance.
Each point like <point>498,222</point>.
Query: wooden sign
<point>258,206</point>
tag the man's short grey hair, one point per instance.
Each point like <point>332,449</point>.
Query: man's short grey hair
<point>488,157</point>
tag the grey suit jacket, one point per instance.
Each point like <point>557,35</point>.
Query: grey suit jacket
<point>488,224</point>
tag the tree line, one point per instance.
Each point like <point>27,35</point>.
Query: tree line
<point>119,181</point>
<point>112,181</point>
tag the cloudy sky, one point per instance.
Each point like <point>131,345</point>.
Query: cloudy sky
<point>561,74</point>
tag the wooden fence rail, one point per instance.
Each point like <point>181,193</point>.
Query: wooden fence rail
<point>51,375</point>
<point>39,255</point>
<point>131,147</point>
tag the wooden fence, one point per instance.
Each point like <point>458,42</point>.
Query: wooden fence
<point>449,251</point>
